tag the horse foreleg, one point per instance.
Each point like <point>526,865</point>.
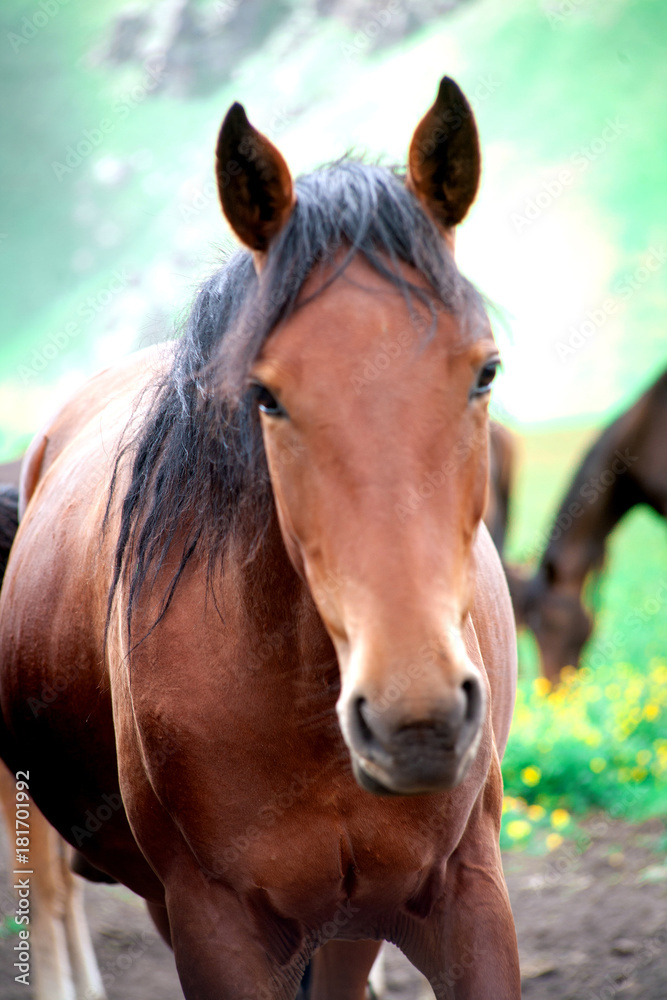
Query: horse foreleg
<point>160,918</point>
<point>469,951</point>
<point>340,970</point>
<point>227,950</point>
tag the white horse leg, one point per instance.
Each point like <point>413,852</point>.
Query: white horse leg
<point>85,969</point>
<point>377,979</point>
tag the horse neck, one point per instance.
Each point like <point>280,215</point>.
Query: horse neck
<point>604,488</point>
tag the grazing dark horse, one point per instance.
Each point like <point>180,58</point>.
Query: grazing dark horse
<point>284,691</point>
<point>625,466</point>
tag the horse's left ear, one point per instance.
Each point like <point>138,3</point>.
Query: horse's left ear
<point>444,162</point>
<point>254,182</point>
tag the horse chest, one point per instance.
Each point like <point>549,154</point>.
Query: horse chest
<point>369,863</point>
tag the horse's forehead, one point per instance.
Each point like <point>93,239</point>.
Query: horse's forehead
<point>361,310</point>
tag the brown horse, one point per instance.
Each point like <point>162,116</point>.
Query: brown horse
<point>625,466</point>
<point>244,613</point>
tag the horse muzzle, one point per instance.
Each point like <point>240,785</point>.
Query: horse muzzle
<point>396,751</point>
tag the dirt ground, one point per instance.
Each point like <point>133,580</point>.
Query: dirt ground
<point>591,926</point>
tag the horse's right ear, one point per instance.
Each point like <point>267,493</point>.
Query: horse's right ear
<point>254,182</point>
<point>444,162</point>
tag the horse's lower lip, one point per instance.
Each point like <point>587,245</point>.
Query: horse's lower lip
<point>412,780</point>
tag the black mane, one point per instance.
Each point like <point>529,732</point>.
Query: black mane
<point>198,470</point>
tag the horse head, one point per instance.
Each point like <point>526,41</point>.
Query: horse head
<point>552,609</point>
<point>372,397</point>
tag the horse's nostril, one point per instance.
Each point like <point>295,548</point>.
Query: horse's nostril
<point>365,731</point>
<point>473,695</point>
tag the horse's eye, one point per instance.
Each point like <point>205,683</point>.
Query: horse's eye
<point>267,402</point>
<point>485,378</point>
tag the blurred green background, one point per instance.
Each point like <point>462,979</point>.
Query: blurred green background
<point>109,218</point>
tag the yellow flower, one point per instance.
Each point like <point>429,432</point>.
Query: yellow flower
<point>554,840</point>
<point>638,773</point>
<point>597,765</point>
<point>659,673</point>
<point>541,686</point>
<point>651,711</point>
<point>518,829</point>
<point>560,818</point>
<point>508,803</point>
<point>536,813</point>
<point>643,757</point>
<point>531,776</point>
<point>568,674</point>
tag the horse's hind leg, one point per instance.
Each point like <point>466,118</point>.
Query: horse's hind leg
<point>340,970</point>
<point>48,942</point>
<point>65,964</point>
<point>87,977</point>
